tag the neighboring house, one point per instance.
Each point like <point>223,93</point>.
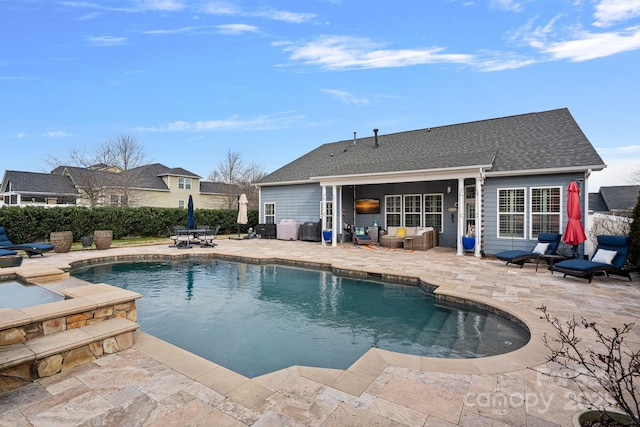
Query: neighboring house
<point>617,200</point>
<point>149,185</point>
<point>503,179</point>
<point>610,212</point>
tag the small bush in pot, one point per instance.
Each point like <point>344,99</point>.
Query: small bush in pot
<point>607,373</point>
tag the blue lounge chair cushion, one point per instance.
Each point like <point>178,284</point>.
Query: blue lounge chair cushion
<point>518,256</point>
<point>7,252</point>
<point>584,268</point>
<point>29,248</point>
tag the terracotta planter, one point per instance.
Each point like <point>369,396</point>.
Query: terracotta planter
<point>61,241</point>
<point>102,239</point>
<point>581,418</point>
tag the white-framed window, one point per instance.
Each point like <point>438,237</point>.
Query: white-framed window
<point>117,200</point>
<point>393,210</point>
<point>433,211</point>
<point>546,210</point>
<point>184,183</point>
<point>181,204</point>
<point>511,212</point>
<point>412,210</point>
<point>470,210</point>
<point>328,213</point>
<point>270,213</point>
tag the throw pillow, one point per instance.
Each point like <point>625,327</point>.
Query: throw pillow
<point>402,232</point>
<point>541,248</point>
<point>604,256</point>
<point>420,231</point>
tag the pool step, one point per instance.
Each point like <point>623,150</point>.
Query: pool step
<point>39,341</point>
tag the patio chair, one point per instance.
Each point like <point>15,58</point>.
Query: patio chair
<point>609,258</point>
<point>208,237</point>
<point>30,249</point>
<point>360,236</point>
<point>547,245</point>
<point>181,237</point>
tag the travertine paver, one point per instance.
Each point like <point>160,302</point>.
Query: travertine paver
<point>157,384</point>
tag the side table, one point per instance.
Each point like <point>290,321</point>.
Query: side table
<point>408,243</point>
<point>550,259</point>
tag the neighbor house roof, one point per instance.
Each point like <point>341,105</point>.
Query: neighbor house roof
<point>211,187</point>
<point>146,177</point>
<point>527,143</point>
<point>37,183</point>
<point>615,198</point>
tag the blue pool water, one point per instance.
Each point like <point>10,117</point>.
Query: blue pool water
<point>19,295</point>
<point>256,319</point>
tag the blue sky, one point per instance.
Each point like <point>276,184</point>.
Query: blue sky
<point>272,80</point>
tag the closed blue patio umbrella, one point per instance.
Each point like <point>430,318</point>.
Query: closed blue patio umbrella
<point>190,220</point>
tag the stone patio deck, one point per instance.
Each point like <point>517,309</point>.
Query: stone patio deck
<point>157,384</point>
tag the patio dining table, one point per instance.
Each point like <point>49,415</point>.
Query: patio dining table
<point>187,236</point>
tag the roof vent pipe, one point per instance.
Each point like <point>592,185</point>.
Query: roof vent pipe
<point>375,131</point>
<point>354,138</point>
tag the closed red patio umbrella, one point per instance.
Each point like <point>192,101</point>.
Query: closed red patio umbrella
<point>574,232</point>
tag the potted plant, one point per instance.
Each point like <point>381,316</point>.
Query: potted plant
<point>469,239</point>
<point>607,371</point>
<point>86,241</point>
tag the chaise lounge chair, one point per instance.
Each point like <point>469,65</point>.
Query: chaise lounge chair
<point>608,258</point>
<point>29,248</point>
<point>547,245</point>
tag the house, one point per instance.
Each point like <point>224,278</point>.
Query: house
<point>616,200</point>
<point>610,212</point>
<point>153,185</point>
<point>503,179</point>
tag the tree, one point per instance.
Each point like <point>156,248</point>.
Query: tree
<point>229,171</point>
<point>109,175</point>
<point>124,154</point>
<point>634,233</point>
<point>251,175</point>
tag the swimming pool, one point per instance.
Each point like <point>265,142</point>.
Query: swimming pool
<point>19,295</point>
<point>256,319</point>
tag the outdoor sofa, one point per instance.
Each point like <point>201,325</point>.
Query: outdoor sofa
<point>424,238</point>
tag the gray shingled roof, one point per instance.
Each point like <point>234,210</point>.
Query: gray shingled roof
<point>210,187</point>
<point>534,141</point>
<point>39,183</point>
<point>615,198</point>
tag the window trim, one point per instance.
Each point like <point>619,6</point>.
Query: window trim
<point>400,212</point>
<point>265,215</point>
<point>524,213</point>
<point>419,212</point>
<point>423,220</point>
<point>531,212</point>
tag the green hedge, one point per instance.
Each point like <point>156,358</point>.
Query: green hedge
<point>35,223</point>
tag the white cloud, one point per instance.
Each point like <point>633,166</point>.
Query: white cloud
<point>173,31</point>
<point>344,52</point>
<point>163,5</point>
<point>588,46</point>
<point>228,9</point>
<point>511,5</point>
<point>57,134</point>
<point>237,29</point>
<point>346,97</point>
<point>221,8</point>
<point>281,15</point>
<point>106,40</point>
<point>609,12</point>
<point>266,122</point>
